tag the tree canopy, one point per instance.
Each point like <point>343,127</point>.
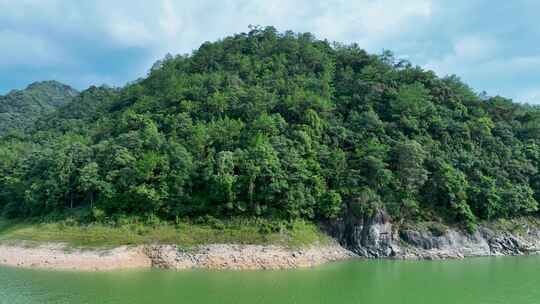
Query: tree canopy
<point>279,125</point>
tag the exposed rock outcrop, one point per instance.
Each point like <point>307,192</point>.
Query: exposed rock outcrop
<point>371,237</point>
<point>377,237</point>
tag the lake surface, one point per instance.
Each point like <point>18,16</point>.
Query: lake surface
<point>512,280</point>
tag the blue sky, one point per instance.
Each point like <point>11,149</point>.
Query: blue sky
<point>492,45</point>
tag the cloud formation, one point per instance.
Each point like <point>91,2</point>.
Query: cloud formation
<point>491,46</point>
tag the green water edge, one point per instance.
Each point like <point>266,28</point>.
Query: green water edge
<point>474,280</point>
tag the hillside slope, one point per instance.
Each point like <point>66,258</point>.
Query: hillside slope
<point>20,108</point>
<point>281,126</point>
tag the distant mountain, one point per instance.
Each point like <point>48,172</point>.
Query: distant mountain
<point>19,109</point>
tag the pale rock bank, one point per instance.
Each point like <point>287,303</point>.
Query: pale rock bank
<point>216,256</point>
<point>59,257</point>
<point>243,257</point>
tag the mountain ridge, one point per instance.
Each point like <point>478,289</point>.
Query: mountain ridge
<point>19,109</point>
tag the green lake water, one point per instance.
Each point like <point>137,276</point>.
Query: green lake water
<point>512,280</point>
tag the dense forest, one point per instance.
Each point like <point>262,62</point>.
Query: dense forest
<point>19,109</point>
<point>279,125</point>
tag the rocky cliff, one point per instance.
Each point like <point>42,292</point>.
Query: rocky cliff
<point>377,237</point>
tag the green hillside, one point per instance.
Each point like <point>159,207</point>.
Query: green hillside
<point>279,126</point>
<point>20,108</point>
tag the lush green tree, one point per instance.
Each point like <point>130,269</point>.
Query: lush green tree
<point>278,125</point>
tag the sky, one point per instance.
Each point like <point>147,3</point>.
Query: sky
<point>494,46</point>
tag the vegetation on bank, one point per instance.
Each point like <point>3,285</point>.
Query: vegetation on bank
<point>518,226</point>
<point>185,233</point>
<point>279,127</point>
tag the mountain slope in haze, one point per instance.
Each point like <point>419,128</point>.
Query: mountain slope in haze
<point>282,126</point>
<point>19,109</point>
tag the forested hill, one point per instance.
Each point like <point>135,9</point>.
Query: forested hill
<point>280,125</point>
<point>20,108</point>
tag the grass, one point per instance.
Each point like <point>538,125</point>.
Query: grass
<point>518,226</point>
<point>185,234</point>
<point>436,228</point>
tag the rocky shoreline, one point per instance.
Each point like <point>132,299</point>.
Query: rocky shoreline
<point>59,257</point>
<point>374,237</point>
<point>378,237</point>
<point>215,257</point>
<point>243,257</point>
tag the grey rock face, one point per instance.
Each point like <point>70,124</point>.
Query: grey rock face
<point>371,237</point>
<point>452,244</point>
<point>377,237</point>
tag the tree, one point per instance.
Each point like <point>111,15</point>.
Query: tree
<point>447,189</point>
<point>275,125</point>
<point>90,182</point>
<point>409,169</point>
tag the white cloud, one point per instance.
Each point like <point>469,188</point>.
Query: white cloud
<point>129,33</point>
<point>29,50</point>
<point>179,26</point>
<point>369,21</point>
<point>475,48</point>
<point>467,54</point>
<point>183,25</point>
<point>506,76</point>
<point>169,21</point>
<point>484,66</point>
<point>433,33</point>
<point>530,95</point>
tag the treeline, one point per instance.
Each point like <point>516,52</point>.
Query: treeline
<point>280,125</point>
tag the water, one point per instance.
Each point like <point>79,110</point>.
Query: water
<point>512,280</point>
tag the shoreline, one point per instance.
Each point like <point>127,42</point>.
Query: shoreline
<point>374,238</point>
<point>378,237</point>
<point>57,256</point>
